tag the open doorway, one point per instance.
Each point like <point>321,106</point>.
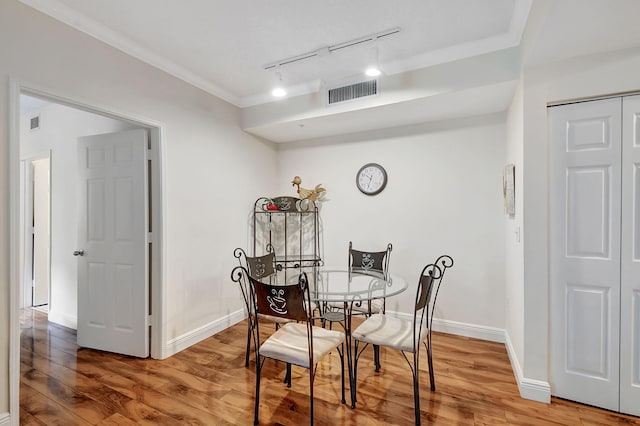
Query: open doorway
<point>59,194</point>
<point>48,130</point>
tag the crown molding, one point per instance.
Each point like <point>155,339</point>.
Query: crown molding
<point>83,23</point>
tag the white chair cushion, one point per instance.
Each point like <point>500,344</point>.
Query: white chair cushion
<point>290,344</point>
<point>388,331</point>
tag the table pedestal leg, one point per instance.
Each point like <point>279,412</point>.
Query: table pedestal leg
<point>349,352</point>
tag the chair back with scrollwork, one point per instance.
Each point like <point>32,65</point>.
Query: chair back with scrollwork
<point>429,283</point>
<point>375,263</point>
<point>259,267</point>
<point>288,302</point>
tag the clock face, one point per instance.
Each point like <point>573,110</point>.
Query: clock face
<point>371,179</point>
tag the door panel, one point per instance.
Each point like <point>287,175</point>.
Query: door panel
<point>587,326</point>
<point>112,231</point>
<point>630,264</point>
<point>588,201</point>
<point>585,251</point>
<point>41,234</point>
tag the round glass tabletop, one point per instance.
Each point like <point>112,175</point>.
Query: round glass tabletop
<point>333,285</point>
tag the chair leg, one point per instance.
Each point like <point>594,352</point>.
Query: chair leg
<point>246,357</point>
<point>341,352</point>
<point>432,377</point>
<point>376,357</point>
<point>287,376</point>
<point>416,387</point>
<point>312,374</point>
<point>355,373</point>
<point>257,399</point>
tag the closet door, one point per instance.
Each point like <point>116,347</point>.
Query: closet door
<point>585,173</point>
<point>630,272</point>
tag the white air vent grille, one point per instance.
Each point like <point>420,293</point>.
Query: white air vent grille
<point>352,91</point>
<point>34,123</point>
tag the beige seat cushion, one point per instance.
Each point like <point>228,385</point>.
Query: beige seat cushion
<point>388,331</point>
<point>290,344</point>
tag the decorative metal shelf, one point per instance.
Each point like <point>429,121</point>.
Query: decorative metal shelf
<point>290,226</point>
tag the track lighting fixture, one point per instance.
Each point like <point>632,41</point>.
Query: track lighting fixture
<point>279,90</point>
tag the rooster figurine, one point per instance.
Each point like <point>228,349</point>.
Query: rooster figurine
<point>311,194</point>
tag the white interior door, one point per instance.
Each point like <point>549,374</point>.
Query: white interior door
<point>630,276</point>
<point>585,160</point>
<point>41,235</point>
<point>112,240</point>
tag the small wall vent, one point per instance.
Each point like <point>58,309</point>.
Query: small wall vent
<point>34,123</point>
<point>352,91</point>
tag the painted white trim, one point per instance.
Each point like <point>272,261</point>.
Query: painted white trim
<point>535,390</point>
<point>159,264</point>
<point>62,319</point>
<point>14,250</point>
<point>490,334</point>
<point>481,332</point>
<point>5,419</point>
<point>199,334</point>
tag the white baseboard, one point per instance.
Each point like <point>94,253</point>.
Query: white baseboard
<point>535,390</point>
<point>5,419</point>
<point>63,319</point>
<point>490,334</point>
<point>180,343</point>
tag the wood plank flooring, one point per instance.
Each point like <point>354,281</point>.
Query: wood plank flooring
<point>208,384</point>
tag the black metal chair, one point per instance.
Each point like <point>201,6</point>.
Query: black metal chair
<point>298,342</point>
<point>262,268</point>
<point>374,263</point>
<point>408,335</point>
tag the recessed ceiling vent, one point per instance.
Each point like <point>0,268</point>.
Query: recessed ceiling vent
<point>352,91</point>
<point>34,123</point>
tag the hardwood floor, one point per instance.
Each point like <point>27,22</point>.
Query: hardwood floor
<point>207,384</point>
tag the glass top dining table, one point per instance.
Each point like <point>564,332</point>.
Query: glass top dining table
<point>338,286</point>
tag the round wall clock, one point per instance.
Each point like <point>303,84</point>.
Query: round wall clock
<point>371,179</point>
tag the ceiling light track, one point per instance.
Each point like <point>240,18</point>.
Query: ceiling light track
<point>327,50</point>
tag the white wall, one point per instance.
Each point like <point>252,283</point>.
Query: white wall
<point>584,77</point>
<point>514,272</point>
<point>60,126</point>
<point>444,196</point>
<point>212,171</point>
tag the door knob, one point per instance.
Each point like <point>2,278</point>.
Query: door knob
<point>78,253</point>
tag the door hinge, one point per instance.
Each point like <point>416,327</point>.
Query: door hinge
<point>149,237</point>
<point>149,320</point>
